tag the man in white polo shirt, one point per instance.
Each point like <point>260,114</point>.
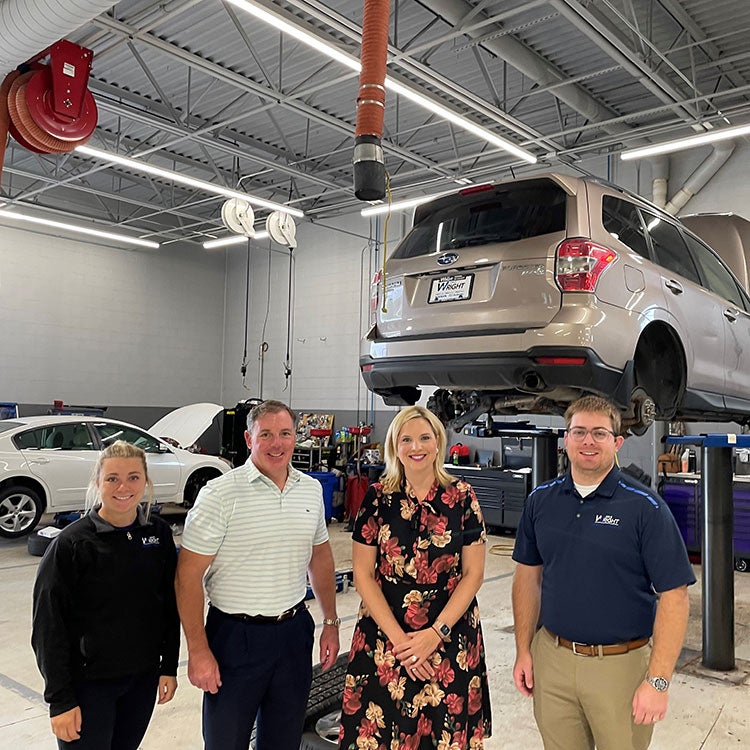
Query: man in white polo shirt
<point>254,533</point>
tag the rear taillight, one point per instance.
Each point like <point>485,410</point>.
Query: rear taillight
<point>375,294</point>
<point>476,189</point>
<point>580,263</point>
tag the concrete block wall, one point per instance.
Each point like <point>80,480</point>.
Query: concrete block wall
<point>88,323</point>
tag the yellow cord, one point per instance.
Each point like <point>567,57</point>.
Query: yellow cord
<point>383,309</point>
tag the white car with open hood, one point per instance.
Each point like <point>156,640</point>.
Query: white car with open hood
<point>46,462</point>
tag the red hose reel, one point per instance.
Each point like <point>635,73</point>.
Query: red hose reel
<point>47,108</point>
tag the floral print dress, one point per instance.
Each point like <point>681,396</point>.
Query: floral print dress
<point>418,567</point>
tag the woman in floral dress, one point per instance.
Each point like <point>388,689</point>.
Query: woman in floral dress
<point>417,676</point>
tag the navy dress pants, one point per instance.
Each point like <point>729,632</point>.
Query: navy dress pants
<point>266,671</point>
<point>114,713</point>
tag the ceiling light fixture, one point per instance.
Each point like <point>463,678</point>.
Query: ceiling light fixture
<point>15,215</point>
<point>684,143</point>
<point>234,239</point>
<point>353,63</point>
<point>141,166</point>
<point>384,208</point>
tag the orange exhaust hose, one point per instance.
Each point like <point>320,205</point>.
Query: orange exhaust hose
<point>4,114</point>
<point>22,119</point>
<point>374,56</point>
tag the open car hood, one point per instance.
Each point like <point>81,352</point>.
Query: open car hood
<point>186,424</point>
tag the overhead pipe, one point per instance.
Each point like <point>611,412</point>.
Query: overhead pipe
<point>703,173</point>
<point>27,26</point>
<point>659,180</point>
<point>369,165</point>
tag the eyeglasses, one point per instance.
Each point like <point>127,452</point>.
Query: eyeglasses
<point>600,434</point>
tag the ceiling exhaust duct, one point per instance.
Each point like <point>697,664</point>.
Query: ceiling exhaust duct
<point>369,165</point>
<point>27,26</point>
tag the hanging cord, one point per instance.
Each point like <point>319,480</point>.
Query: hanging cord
<point>263,348</point>
<point>384,309</point>
<point>243,366</point>
<point>288,362</point>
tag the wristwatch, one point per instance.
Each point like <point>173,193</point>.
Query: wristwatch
<point>442,629</point>
<point>336,621</point>
<point>658,683</point>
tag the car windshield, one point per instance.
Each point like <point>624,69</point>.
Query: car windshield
<point>507,213</point>
<point>6,424</point>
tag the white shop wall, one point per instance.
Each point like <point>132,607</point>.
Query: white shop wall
<point>330,303</point>
<point>93,324</point>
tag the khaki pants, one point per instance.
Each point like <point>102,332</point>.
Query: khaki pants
<point>586,701</point>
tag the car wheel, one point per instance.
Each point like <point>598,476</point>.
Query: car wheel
<point>441,405</point>
<point>20,511</point>
<point>326,734</point>
<point>740,564</point>
<point>644,412</point>
<point>659,370</point>
<point>194,484</point>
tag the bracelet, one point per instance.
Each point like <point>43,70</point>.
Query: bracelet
<point>336,621</point>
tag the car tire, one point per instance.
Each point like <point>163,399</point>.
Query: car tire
<point>20,511</point>
<point>194,484</point>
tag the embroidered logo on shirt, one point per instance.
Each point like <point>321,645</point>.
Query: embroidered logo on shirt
<point>150,541</point>
<point>606,520</point>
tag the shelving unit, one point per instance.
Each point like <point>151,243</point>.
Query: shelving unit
<point>306,459</point>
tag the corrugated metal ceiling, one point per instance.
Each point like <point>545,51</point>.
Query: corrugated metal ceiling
<point>201,87</point>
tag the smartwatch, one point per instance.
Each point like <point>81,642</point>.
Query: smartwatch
<point>442,630</point>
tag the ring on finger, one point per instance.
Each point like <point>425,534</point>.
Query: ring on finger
<point>414,659</point>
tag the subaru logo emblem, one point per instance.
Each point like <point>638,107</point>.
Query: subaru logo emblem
<point>446,259</point>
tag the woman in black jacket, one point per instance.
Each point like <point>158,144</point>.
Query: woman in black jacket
<point>105,625</point>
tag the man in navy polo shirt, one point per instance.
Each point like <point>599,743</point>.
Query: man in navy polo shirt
<point>603,569</point>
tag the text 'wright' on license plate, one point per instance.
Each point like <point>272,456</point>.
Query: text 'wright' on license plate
<point>451,288</point>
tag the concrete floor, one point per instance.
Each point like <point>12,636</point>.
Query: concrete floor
<point>708,711</point>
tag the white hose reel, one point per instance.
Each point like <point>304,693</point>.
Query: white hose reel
<point>282,229</point>
<point>238,217</point>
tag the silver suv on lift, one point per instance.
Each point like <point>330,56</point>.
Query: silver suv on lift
<point>519,297</point>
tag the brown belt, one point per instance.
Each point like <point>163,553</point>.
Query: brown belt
<point>286,615</point>
<point>589,649</point>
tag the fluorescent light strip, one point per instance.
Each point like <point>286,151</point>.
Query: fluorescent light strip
<point>141,166</point>
<point>352,63</point>
<point>234,239</point>
<point>399,205</point>
<point>81,230</point>
<point>685,143</point>
<point>467,125</point>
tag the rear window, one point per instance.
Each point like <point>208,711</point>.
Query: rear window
<point>506,213</point>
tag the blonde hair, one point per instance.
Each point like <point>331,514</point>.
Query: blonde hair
<point>118,449</point>
<point>393,476</point>
<point>595,405</point>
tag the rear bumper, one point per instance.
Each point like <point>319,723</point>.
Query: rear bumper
<point>500,371</point>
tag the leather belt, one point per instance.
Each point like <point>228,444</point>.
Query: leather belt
<point>589,649</point>
<point>285,615</point>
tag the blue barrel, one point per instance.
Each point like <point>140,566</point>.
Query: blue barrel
<point>330,483</point>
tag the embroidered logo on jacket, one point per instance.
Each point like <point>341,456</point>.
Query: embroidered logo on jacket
<point>150,541</point>
<point>606,520</point>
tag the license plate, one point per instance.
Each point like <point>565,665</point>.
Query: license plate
<point>451,288</point>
